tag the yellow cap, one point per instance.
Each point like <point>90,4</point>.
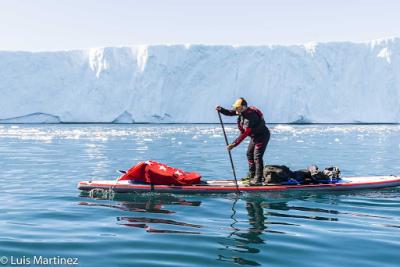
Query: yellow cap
<point>238,103</point>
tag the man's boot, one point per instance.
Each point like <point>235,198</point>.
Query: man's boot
<point>256,181</point>
<point>248,177</point>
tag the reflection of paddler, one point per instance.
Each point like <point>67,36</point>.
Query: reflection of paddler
<point>243,238</point>
<point>250,123</point>
<point>257,222</point>
<point>256,216</point>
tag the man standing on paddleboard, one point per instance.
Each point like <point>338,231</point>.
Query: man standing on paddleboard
<point>250,123</point>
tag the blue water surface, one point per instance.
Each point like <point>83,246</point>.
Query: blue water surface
<point>43,214</point>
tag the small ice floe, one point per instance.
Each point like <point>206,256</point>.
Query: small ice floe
<point>91,145</point>
<point>179,143</point>
<point>147,139</point>
<point>337,140</point>
<point>300,141</point>
<point>46,139</point>
<point>74,137</point>
<point>283,128</point>
<point>79,132</point>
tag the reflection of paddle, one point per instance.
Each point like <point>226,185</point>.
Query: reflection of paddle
<point>229,152</point>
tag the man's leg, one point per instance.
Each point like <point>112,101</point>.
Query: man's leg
<point>259,150</point>
<point>250,159</point>
<point>258,159</point>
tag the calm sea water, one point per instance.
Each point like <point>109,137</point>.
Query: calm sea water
<point>43,214</point>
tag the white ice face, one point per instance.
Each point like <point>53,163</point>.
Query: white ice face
<point>317,82</point>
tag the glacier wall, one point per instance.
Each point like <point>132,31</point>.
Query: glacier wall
<point>316,82</point>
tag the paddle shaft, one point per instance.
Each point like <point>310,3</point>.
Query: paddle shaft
<point>229,152</point>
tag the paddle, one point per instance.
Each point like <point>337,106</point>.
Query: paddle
<point>229,152</point>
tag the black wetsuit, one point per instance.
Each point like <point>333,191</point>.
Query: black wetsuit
<point>251,123</point>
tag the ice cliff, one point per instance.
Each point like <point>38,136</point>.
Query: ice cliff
<point>317,82</point>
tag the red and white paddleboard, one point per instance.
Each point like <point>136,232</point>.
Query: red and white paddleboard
<point>228,186</point>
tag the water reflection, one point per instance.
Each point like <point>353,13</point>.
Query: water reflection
<point>145,223</point>
<point>246,235</point>
<point>242,241</point>
<point>147,204</point>
<point>239,240</point>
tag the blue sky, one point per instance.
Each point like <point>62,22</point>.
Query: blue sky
<point>37,25</point>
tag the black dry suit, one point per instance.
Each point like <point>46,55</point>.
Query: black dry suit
<point>251,123</point>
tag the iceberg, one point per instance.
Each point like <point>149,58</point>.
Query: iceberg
<point>33,118</point>
<point>334,82</point>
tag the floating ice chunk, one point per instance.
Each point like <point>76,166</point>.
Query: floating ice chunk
<point>125,117</point>
<point>283,128</point>
<point>91,145</point>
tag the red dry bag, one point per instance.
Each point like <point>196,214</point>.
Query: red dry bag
<point>153,172</point>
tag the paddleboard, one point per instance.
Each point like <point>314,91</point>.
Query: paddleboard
<point>228,186</point>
